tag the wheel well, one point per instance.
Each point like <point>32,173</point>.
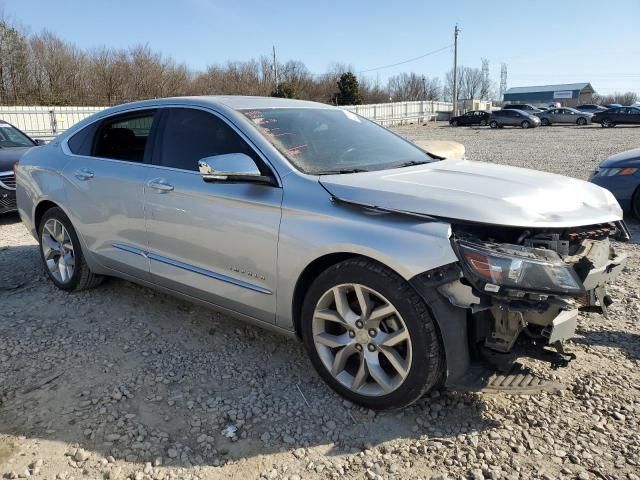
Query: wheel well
<point>40,211</point>
<point>309,274</point>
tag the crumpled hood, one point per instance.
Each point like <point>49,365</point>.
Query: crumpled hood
<point>8,156</point>
<point>479,192</point>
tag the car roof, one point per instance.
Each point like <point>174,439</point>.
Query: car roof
<point>234,102</point>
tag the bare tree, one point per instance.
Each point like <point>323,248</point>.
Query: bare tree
<point>626,98</point>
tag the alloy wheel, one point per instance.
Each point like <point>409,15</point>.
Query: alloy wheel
<point>58,251</point>
<point>362,339</point>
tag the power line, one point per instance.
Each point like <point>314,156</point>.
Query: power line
<point>406,61</point>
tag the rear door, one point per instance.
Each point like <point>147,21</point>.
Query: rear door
<point>212,241</point>
<point>631,116</point>
<point>107,168</point>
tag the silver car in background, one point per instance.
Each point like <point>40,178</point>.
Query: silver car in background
<point>398,270</point>
<point>513,118</point>
<point>565,115</point>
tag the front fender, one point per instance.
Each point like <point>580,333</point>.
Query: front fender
<point>318,226</point>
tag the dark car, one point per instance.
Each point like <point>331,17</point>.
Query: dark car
<point>513,118</point>
<point>620,174</point>
<point>13,144</point>
<point>618,116</point>
<point>475,117</point>
<point>522,106</point>
<point>591,108</point>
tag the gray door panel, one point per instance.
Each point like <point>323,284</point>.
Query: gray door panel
<point>214,241</point>
<point>106,197</point>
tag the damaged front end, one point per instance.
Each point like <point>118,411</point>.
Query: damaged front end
<point>521,289</point>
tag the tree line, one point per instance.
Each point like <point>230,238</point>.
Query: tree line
<point>43,69</point>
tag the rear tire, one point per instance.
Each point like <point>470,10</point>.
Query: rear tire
<point>525,124</point>
<point>382,361</point>
<point>61,253</point>
<point>483,123</point>
<point>493,124</point>
<point>454,123</point>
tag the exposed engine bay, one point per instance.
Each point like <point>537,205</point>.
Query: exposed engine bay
<point>529,284</point>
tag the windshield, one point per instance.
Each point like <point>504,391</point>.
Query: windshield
<point>325,141</point>
<point>12,137</point>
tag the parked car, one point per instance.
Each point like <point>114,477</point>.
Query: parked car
<point>522,106</point>
<point>618,116</point>
<point>475,117</point>
<point>564,115</point>
<point>620,174</point>
<point>399,272</point>
<point>513,118</point>
<point>13,144</point>
<point>591,108</point>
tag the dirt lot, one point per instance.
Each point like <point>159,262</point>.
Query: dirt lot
<point>123,382</point>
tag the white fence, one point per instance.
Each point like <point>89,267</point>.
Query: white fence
<point>398,113</point>
<point>47,122</point>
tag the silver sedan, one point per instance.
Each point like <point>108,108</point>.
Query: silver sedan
<point>565,115</point>
<point>398,270</point>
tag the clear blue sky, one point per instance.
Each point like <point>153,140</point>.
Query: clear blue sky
<point>543,42</point>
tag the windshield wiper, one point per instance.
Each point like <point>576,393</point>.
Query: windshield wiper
<point>411,163</point>
<point>341,171</point>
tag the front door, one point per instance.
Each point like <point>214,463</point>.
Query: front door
<point>107,170</point>
<point>213,241</point>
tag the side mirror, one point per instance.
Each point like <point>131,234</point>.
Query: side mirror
<point>40,141</point>
<point>232,168</point>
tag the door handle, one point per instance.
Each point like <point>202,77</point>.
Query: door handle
<point>83,174</point>
<point>160,184</point>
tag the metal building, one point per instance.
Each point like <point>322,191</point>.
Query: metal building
<point>569,94</point>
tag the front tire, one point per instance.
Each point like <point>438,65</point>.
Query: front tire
<point>635,203</point>
<point>493,124</point>
<point>454,123</point>
<point>581,121</point>
<point>483,123</point>
<point>525,124</point>
<point>62,255</point>
<point>546,122</point>
<point>370,336</point>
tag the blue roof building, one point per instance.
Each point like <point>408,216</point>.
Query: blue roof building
<point>567,94</point>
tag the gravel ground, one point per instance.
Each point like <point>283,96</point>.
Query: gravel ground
<point>123,382</point>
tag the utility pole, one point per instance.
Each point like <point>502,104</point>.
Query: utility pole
<point>424,88</point>
<point>275,68</point>
<point>503,80</point>
<point>456,31</point>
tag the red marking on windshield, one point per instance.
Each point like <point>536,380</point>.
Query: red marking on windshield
<point>297,150</point>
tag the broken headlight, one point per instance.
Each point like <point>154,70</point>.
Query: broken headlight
<point>492,266</point>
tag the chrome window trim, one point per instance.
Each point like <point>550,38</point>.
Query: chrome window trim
<point>158,107</point>
<point>192,268</point>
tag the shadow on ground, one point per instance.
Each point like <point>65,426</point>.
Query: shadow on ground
<point>128,372</point>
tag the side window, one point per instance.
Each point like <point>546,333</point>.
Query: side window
<point>81,142</point>
<point>124,137</point>
<point>189,135</point>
